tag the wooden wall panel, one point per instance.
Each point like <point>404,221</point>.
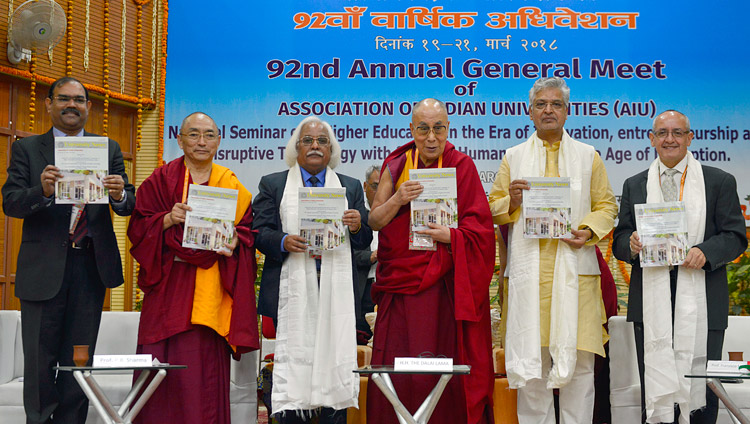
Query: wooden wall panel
<point>5,107</point>
<point>4,153</point>
<point>56,67</point>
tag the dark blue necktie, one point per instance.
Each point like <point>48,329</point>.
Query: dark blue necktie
<point>314,183</point>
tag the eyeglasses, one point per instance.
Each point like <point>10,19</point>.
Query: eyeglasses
<point>424,129</point>
<point>308,141</point>
<point>195,136</point>
<point>79,100</point>
<point>374,186</point>
<point>556,105</point>
<point>676,133</point>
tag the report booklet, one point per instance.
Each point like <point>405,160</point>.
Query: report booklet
<point>211,222</point>
<point>83,161</point>
<point>547,208</point>
<point>321,213</point>
<point>437,204</point>
<point>662,228</point>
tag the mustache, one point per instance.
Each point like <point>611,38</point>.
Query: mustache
<point>70,110</point>
<point>315,152</point>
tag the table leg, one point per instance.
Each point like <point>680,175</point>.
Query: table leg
<point>734,411</point>
<point>424,412</point>
<point>383,381</point>
<point>133,392</point>
<point>146,395</point>
<point>103,412</point>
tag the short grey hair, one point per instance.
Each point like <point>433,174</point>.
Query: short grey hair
<point>687,120</point>
<point>290,154</point>
<point>370,170</point>
<point>427,102</point>
<point>552,82</point>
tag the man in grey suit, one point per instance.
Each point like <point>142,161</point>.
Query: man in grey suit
<point>311,154</point>
<point>717,236</point>
<point>64,264</point>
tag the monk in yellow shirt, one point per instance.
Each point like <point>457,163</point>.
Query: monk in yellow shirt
<point>199,305</point>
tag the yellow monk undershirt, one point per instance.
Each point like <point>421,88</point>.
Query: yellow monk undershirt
<point>212,305</point>
<point>591,313</point>
<point>412,163</point>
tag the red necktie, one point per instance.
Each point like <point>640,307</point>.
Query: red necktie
<point>81,229</point>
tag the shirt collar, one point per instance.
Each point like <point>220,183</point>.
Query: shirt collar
<point>680,167</point>
<point>58,133</point>
<point>306,176</point>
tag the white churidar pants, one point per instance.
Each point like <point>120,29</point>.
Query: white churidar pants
<point>536,403</point>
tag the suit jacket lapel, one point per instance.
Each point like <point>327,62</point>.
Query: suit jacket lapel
<point>642,184</point>
<point>47,147</point>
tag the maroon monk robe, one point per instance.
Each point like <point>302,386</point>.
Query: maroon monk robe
<point>165,328</point>
<point>437,302</point>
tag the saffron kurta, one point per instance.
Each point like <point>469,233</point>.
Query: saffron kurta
<point>196,302</point>
<point>437,302</point>
<point>591,313</point>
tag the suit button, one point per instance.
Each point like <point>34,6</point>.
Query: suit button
<point>64,244</point>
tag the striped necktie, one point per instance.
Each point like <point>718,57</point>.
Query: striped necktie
<point>81,229</point>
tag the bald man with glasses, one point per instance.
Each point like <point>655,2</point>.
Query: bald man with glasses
<point>433,302</point>
<point>199,305</point>
<point>697,289</point>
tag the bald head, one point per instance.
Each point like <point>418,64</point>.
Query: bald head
<point>433,104</point>
<point>199,116</point>
<point>429,127</point>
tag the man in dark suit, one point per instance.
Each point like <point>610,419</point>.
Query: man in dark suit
<point>366,260</point>
<point>64,264</point>
<point>312,153</point>
<point>669,179</point>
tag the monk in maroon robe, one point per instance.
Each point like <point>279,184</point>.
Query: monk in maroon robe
<point>199,305</point>
<point>433,302</point>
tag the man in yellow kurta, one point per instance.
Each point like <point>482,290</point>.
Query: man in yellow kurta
<point>554,313</point>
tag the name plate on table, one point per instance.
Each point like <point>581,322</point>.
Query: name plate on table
<point>728,367</point>
<point>116,361</point>
<point>423,364</point>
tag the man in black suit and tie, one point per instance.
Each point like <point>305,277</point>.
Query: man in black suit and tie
<point>64,264</point>
<point>367,260</point>
<point>311,298</point>
<point>697,288</point>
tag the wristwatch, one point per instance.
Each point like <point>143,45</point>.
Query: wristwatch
<point>590,230</point>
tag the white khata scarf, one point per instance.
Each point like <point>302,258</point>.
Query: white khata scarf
<point>665,366</point>
<point>523,346</point>
<point>316,347</point>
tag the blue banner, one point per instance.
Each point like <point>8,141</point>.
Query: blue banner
<point>258,68</point>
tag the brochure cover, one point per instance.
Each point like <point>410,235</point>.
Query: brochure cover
<point>321,213</point>
<point>662,228</point>
<point>83,162</point>
<point>211,222</point>
<point>547,208</point>
<point>438,204</point>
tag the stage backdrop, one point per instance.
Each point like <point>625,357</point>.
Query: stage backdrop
<point>260,67</point>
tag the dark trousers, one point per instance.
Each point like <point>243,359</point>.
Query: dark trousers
<point>327,416</point>
<point>715,342</point>
<point>50,329</point>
